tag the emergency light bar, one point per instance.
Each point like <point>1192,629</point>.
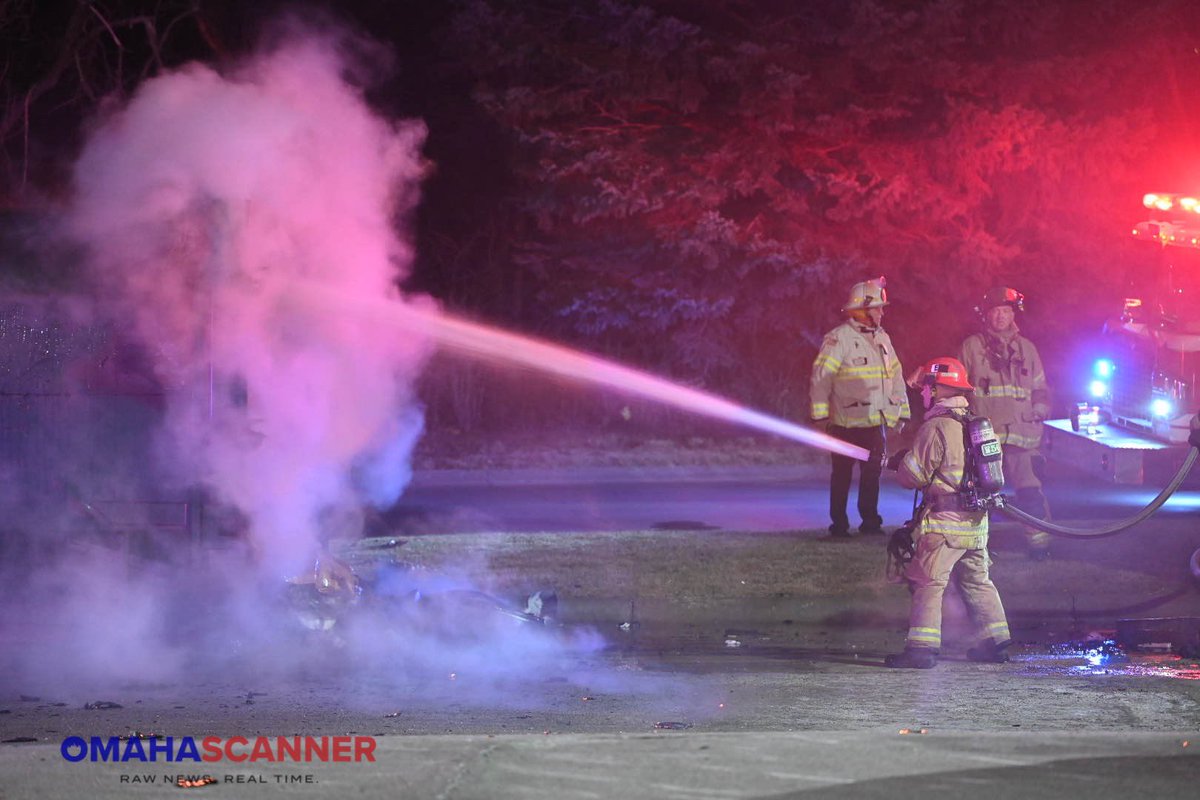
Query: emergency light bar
<point>1167,202</point>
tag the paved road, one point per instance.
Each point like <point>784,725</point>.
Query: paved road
<point>752,499</point>
<point>801,707</point>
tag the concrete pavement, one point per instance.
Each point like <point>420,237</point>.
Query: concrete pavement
<point>677,766</point>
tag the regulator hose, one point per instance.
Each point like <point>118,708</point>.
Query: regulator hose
<point>1117,527</point>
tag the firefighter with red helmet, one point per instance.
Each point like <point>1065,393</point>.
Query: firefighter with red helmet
<point>858,390</point>
<point>1011,391</point>
<point>947,534</point>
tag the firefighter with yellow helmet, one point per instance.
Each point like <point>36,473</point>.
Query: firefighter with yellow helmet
<point>948,533</point>
<point>858,391</point>
<point>1011,390</point>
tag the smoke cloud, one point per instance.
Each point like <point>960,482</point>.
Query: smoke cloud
<point>205,202</point>
<point>242,227</point>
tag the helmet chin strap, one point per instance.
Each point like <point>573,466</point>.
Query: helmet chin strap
<point>927,394</point>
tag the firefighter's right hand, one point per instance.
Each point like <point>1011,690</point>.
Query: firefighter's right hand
<point>893,462</point>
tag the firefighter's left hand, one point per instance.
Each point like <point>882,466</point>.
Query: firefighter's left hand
<point>1041,412</point>
<point>893,463</point>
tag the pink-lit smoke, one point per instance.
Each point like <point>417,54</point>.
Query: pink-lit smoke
<point>215,207</point>
<point>200,201</point>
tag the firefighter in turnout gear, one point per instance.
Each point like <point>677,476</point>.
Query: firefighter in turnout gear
<point>1010,390</point>
<point>858,389</point>
<point>946,535</point>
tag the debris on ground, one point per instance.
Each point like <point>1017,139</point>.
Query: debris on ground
<point>101,705</point>
<point>672,726</point>
<point>543,605</point>
<point>1160,635</point>
<point>906,731</point>
<point>322,594</point>
<point>732,642</point>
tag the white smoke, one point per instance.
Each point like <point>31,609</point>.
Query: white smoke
<point>209,202</point>
<point>243,226</point>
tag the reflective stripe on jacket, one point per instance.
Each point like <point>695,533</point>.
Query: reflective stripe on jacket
<point>1009,379</point>
<point>857,381</point>
<point>935,465</point>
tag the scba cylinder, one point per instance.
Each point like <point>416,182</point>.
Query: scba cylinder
<point>988,458</point>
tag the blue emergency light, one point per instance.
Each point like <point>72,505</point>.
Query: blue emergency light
<point>1160,407</point>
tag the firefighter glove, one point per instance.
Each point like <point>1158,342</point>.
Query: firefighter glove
<point>893,463</point>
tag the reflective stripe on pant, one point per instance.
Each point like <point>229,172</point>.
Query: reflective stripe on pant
<point>1020,477</point>
<point>929,574</point>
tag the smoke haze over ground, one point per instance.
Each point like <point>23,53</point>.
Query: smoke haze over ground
<point>213,206</point>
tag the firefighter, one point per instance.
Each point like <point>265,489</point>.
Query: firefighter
<point>858,389</point>
<point>946,535</point>
<point>1010,390</point>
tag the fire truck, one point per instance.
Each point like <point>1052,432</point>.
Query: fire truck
<point>1131,421</point>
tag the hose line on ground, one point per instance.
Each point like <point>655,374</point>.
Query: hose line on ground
<point>1109,530</point>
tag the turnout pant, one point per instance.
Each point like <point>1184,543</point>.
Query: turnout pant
<point>929,574</point>
<point>1019,475</point>
<point>873,439</point>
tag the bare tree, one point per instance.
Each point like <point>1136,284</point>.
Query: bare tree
<point>59,60</point>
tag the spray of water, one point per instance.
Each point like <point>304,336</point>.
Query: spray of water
<point>215,207</point>
<point>495,344</point>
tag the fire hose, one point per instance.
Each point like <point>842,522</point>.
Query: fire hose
<point>1055,529</point>
<point>901,547</point>
<point>1109,530</point>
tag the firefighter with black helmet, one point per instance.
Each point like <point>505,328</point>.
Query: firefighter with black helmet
<point>1011,390</point>
<point>948,533</point>
<point>858,390</point>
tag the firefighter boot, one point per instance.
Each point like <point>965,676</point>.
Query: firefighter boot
<point>989,651</point>
<point>912,658</point>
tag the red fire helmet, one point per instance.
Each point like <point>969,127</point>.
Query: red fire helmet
<point>946,371</point>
